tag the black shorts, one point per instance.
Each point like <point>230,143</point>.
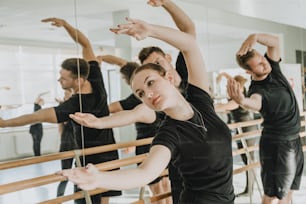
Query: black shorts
<point>281,166</point>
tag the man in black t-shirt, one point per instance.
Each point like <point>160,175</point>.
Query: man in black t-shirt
<point>281,153</point>
<point>84,77</point>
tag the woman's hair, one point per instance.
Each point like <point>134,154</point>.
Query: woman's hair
<point>155,67</point>
<point>242,60</point>
<point>76,66</point>
<point>240,79</point>
<point>127,71</point>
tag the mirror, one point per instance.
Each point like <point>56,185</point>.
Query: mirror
<point>31,51</point>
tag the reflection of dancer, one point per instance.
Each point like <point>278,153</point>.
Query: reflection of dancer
<point>36,130</point>
<point>238,114</point>
<point>85,77</point>
<point>192,136</point>
<point>281,154</point>
<point>68,142</point>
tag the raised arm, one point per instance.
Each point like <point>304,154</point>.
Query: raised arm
<point>221,75</point>
<point>140,113</point>
<point>76,35</point>
<point>91,178</point>
<point>180,18</point>
<point>111,59</point>
<point>270,41</point>
<point>185,42</point>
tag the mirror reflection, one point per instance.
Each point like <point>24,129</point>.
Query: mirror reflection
<point>31,53</point>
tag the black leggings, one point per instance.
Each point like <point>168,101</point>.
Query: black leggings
<point>36,143</point>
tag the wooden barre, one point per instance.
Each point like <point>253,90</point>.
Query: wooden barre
<point>154,198</point>
<point>253,133</point>
<point>245,123</point>
<point>51,178</point>
<point>74,196</point>
<point>245,150</point>
<point>80,194</point>
<point>71,154</point>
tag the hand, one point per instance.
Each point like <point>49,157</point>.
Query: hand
<point>5,87</point>
<point>135,28</point>
<point>39,101</point>
<point>85,119</point>
<point>156,3</point>
<point>85,178</point>
<point>234,91</point>
<point>55,21</point>
<point>247,45</point>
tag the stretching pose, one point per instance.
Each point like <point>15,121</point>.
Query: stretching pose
<point>146,120</point>
<point>191,124</point>
<point>84,77</point>
<point>280,147</point>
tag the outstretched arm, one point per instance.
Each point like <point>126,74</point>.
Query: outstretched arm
<point>185,42</point>
<point>270,41</point>
<point>140,113</point>
<point>180,18</point>
<point>223,107</point>
<point>76,35</point>
<point>42,115</point>
<point>90,177</point>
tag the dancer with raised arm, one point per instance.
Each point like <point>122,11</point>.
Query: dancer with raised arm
<point>281,154</point>
<point>191,124</point>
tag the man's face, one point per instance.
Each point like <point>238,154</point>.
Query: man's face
<point>157,58</point>
<point>260,67</point>
<point>66,80</point>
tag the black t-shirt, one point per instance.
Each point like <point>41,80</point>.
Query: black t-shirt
<point>95,103</point>
<point>202,155</point>
<point>279,106</point>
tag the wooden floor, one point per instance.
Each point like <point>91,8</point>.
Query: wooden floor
<point>35,195</point>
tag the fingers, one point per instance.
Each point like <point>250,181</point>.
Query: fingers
<point>49,19</point>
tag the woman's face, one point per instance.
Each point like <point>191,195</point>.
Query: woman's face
<point>153,89</point>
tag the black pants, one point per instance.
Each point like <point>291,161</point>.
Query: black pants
<point>36,143</point>
<point>66,164</point>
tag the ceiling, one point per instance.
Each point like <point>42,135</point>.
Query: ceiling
<point>20,19</point>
